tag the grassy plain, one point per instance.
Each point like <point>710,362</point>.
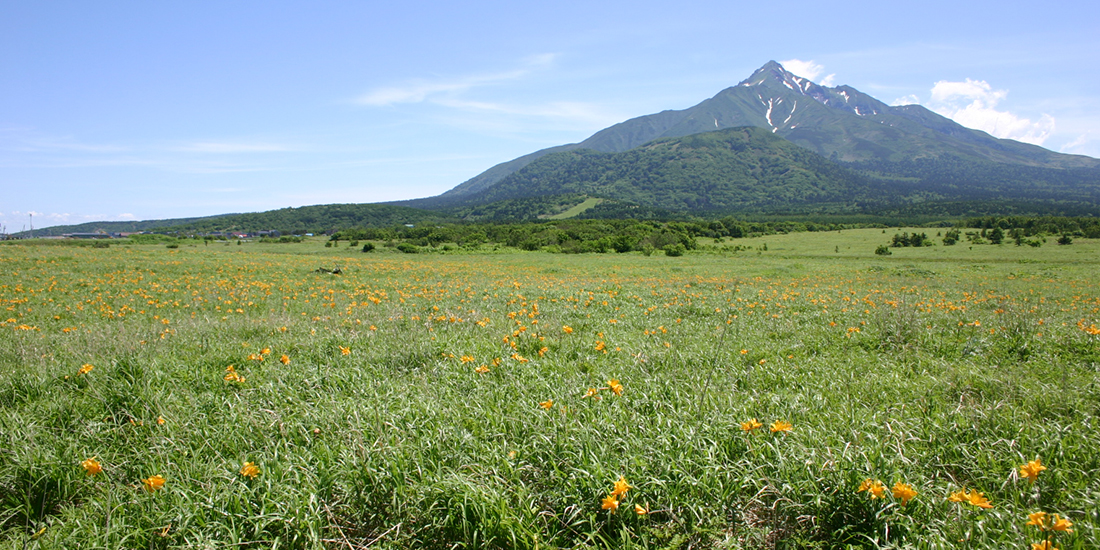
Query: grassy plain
<point>942,368</point>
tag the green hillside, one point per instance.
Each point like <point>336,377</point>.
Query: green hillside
<point>306,219</point>
<point>735,169</point>
<point>752,170</point>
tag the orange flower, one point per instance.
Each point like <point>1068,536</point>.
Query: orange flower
<point>1031,469</point>
<point>751,425</point>
<point>610,503</point>
<point>548,404</point>
<point>872,486</point>
<point>153,483</point>
<point>160,420</point>
<point>621,487</point>
<point>231,375</point>
<point>592,392</point>
<point>85,369</point>
<point>615,386</point>
<point>265,351</point>
<point>344,350</point>
<point>1038,519</point>
<point>1061,524</point>
<point>250,470</point>
<point>979,500</point>
<point>567,329</point>
<point>482,369</point>
<point>91,466</point>
<point>903,491</point>
<point>284,359</point>
<point>641,511</point>
<point>781,426</point>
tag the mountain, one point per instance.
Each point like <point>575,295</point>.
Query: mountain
<point>839,123</point>
<point>751,169</point>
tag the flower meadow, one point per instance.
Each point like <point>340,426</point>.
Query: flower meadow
<point>239,397</point>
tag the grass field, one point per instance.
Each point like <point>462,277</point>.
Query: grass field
<point>508,399</point>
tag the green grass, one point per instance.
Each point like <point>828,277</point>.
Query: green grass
<point>940,367</point>
<point>578,209</point>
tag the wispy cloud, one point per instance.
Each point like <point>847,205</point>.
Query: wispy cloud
<point>423,90</point>
<point>29,148</point>
<point>810,70</point>
<point>572,110</point>
<point>234,147</point>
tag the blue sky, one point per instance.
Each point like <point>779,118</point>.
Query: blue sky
<point>149,110</point>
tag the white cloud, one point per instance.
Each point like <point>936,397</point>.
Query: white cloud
<point>910,99</point>
<point>810,70</point>
<point>584,112</point>
<point>418,91</point>
<point>973,103</point>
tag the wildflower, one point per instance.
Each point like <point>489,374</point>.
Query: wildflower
<point>979,500</point>
<point>751,425</point>
<point>344,350</point>
<point>1038,519</point>
<point>160,420</point>
<point>284,359</point>
<point>1045,545</point>
<point>621,487</point>
<point>250,470</point>
<point>638,509</point>
<point>615,386</point>
<point>153,483</point>
<point>874,487</point>
<point>592,392</point>
<point>1031,469</point>
<point>482,369</point>
<point>231,375</point>
<point>85,369</point>
<point>1061,524</point>
<point>91,466</point>
<point>958,496</point>
<point>903,491</point>
<point>781,426</point>
<point>548,404</point>
<point>567,329</point>
<point>610,503</point>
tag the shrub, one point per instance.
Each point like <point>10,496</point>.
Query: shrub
<point>674,249</point>
<point>368,247</point>
<point>883,250</point>
<point>408,248</point>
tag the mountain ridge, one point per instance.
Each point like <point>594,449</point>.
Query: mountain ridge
<point>840,123</point>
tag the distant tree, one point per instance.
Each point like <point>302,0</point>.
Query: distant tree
<point>883,250</point>
<point>997,236</point>
<point>1065,239</point>
<point>951,237</point>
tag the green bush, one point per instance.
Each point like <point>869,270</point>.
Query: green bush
<point>674,249</point>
